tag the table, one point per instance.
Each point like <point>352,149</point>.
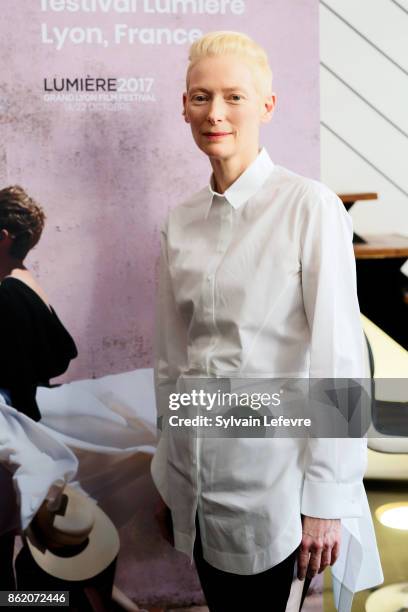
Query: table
<point>349,199</point>
<point>382,246</point>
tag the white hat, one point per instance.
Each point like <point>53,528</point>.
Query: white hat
<point>76,541</point>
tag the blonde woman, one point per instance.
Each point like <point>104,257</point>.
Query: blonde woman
<point>257,281</point>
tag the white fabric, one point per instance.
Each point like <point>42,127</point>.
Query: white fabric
<point>110,415</point>
<point>108,424</point>
<point>260,282</point>
<point>33,466</point>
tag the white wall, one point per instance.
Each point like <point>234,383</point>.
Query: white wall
<point>364,107</point>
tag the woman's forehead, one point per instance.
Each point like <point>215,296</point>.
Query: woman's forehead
<point>221,72</point>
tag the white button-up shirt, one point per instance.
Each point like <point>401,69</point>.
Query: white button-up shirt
<point>258,282</point>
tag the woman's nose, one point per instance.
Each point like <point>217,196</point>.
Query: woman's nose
<point>216,111</point>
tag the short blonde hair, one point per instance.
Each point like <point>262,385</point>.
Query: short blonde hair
<point>238,44</point>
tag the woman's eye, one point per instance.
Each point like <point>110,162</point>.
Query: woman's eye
<point>236,97</point>
<point>199,98</point>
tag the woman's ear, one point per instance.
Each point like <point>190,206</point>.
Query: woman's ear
<point>184,113</point>
<point>268,106</point>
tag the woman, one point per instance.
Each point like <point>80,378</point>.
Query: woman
<point>35,345</point>
<point>38,345</point>
<point>257,281</point>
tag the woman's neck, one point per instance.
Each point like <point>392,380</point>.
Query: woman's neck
<point>10,267</point>
<point>226,171</point>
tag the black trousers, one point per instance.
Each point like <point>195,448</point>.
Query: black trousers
<point>226,592</point>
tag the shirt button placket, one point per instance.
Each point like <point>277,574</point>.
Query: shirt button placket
<point>223,242</point>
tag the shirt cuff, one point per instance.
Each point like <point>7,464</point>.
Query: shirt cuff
<point>332,500</point>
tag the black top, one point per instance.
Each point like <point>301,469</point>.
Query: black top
<point>35,346</point>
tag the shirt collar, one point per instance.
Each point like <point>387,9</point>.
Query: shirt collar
<point>246,185</point>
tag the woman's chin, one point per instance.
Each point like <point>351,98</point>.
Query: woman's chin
<point>217,150</point>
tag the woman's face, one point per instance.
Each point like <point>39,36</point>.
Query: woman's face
<point>225,109</point>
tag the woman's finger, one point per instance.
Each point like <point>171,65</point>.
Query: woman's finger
<point>302,562</point>
<point>314,563</point>
<point>326,558</point>
<point>335,551</point>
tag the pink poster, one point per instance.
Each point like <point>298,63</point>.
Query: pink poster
<point>91,126</point>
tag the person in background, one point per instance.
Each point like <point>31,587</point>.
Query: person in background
<point>35,346</point>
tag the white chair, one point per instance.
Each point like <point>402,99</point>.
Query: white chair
<point>387,453</point>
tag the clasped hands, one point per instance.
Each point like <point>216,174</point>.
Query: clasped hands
<point>320,545</point>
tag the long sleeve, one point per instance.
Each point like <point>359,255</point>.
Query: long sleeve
<point>170,348</point>
<point>334,467</point>
<point>170,334</point>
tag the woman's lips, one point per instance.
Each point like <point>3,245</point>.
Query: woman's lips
<point>216,135</point>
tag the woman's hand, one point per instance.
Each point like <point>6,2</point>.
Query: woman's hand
<point>163,517</point>
<point>320,545</point>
